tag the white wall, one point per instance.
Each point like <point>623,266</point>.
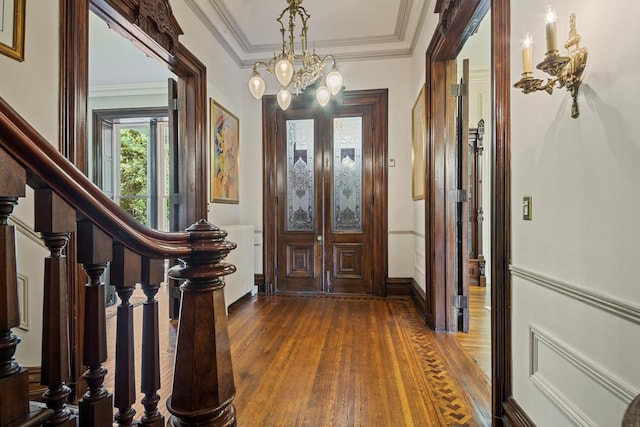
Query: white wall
<point>576,299</point>
<point>418,207</point>
<point>31,88</point>
<point>227,85</point>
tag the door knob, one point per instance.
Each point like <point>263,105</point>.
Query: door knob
<point>319,238</point>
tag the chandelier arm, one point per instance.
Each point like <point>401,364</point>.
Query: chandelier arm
<point>304,16</point>
<point>267,67</point>
<point>333,60</point>
<point>282,30</point>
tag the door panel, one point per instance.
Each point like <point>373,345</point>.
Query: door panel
<point>348,230</point>
<point>299,210</point>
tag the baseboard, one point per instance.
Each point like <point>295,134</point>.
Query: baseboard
<point>398,286</point>
<point>259,282</point>
<point>419,298</point>
<point>516,416</point>
<point>408,287</point>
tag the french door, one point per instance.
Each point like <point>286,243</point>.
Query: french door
<point>324,200</point>
<point>325,196</point>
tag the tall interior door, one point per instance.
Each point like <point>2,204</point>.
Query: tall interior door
<point>324,200</point>
<point>461,286</point>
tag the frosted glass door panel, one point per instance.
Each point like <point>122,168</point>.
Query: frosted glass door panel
<point>347,174</point>
<point>300,175</point>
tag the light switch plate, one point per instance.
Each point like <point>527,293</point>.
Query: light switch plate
<point>392,163</point>
<point>526,208</point>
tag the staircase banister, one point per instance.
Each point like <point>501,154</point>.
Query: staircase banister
<point>28,147</point>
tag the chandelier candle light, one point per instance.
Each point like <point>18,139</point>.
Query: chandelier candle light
<point>566,71</point>
<point>283,65</point>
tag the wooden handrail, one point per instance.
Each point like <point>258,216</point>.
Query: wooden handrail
<point>33,151</point>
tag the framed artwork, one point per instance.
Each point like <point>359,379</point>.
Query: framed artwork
<point>224,149</point>
<point>12,28</point>
<point>418,146</point>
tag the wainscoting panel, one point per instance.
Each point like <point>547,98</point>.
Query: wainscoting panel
<point>574,358</point>
<point>577,386</point>
<point>241,282</point>
<point>400,247</point>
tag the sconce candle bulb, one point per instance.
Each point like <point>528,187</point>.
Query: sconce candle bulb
<point>551,32</point>
<point>527,55</point>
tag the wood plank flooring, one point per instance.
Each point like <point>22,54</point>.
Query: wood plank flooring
<point>340,361</point>
<point>478,341</point>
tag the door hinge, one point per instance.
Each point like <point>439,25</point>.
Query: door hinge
<point>459,89</point>
<point>175,104</point>
<point>458,196</point>
<point>461,301</point>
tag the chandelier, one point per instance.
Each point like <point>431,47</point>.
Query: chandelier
<point>296,71</point>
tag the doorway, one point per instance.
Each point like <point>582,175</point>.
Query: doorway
<point>325,195</point>
<point>131,161</point>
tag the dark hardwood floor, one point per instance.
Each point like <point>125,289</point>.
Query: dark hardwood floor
<point>339,361</point>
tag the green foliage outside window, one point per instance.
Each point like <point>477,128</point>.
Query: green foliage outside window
<point>133,173</point>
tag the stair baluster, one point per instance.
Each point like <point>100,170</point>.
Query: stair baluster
<point>125,273</point>
<point>14,379</point>
<point>152,276</point>
<point>94,251</point>
<point>55,220</point>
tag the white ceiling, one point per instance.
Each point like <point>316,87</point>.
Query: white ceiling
<point>349,29</point>
<point>247,29</point>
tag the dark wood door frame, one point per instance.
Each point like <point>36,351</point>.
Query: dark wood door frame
<point>378,99</point>
<point>139,23</point>
<point>128,18</point>
<point>457,19</point>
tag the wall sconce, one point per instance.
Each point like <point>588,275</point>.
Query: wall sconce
<point>566,71</point>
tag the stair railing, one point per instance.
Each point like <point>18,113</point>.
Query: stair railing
<point>67,202</point>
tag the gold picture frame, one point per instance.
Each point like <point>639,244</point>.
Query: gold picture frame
<point>12,22</point>
<point>224,153</point>
<point>418,147</point>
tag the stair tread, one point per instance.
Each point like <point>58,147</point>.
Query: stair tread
<point>38,414</point>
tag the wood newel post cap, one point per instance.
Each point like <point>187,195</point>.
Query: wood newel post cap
<point>208,248</point>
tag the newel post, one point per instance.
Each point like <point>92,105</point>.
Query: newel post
<point>203,387</point>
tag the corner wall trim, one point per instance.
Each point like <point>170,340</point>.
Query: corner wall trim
<point>600,301</point>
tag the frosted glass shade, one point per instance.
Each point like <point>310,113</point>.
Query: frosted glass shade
<point>284,98</point>
<point>334,81</point>
<point>256,85</point>
<point>284,71</point>
<point>323,95</point>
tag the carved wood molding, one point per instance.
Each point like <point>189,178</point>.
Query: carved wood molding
<point>447,10</point>
<point>155,18</point>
